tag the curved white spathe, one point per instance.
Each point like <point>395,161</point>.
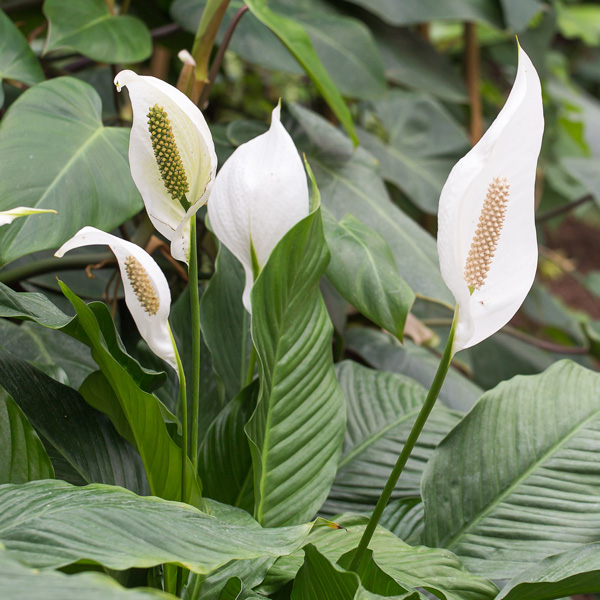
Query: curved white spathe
<point>509,149</point>
<point>260,193</point>
<point>8,216</point>
<point>154,328</point>
<point>195,146</point>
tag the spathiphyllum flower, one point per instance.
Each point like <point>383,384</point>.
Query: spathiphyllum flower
<point>171,156</point>
<point>8,216</point>
<point>146,290</point>
<point>486,238</point>
<point>259,195</point>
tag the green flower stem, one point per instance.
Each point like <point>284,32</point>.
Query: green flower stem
<point>413,436</point>
<point>196,339</point>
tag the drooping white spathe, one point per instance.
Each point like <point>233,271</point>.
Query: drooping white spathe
<point>195,146</point>
<point>259,195</point>
<point>154,328</point>
<point>8,216</point>
<point>509,149</point>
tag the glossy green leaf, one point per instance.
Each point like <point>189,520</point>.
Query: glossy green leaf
<point>232,590</point>
<point>433,569</point>
<point>382,408</point>
<point>349,183</point>
<point>518,478</point>
<point>297,429</point>
<point>405,518</point>
<point>562,575</point>
<point>160,454</point>
<point>54,151</point>
<point>80,435</point>
<point>88,27</point>
<point>59,524</point>
<point>22,456</point>
<point>18,582</point>
<point>382,351</point>
<point>363,270</point>
<point>31,306</point>
<point>17,60</point>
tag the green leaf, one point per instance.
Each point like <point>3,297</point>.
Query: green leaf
<point>18,581</point>
<point>423,143</point>
<point>89,28</point>
<point>22,456</point>
<point>581,22</point>
<point>518,478</point>
<point>17,61</point>
<point>297,429</point>
<point>405,518</point>
<point>433,569</point>
<point>562,575</point>
<point>382,351</point>
<point>349,183</point>
<point>117,529</point>
<point>297,41</point>
<point>225,450</point>
<point>55,151</point>
<point>224,322</point>
<point>81,435</point>
<point>518,13</point>
<point>160,454</point>
<point>232,590</point>
<point>382,408</point>
<point>363,270</point>
<point>31,306</point>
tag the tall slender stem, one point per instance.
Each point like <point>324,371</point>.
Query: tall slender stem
<point>184,421</point>
<point>413,436</point>
<point>473,79</point>
<point>196,339</point>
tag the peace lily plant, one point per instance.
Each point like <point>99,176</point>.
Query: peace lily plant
<point>8,216</point>
<point>486,241</point>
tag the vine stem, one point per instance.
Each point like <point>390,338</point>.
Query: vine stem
<point>413,436</point>
<point>196,339</point>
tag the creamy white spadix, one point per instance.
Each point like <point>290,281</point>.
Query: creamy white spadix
<point>8,216</point>
<point>147,292</point>
<point>486,228</point>
<point>171,156</point>
<point>260,193</point>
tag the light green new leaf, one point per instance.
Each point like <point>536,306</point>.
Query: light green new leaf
<point>518,479</point>
<point>22,456</point>
<point>159,452</point>
<point>364,272</point>
<point>432,569</point>
<point>49,524</point>
<point>382,408</point>
<point>297,429</point>
<point>19,582</point>
<point>55,152</point>
<point>295,38</point>
<point>17,60</point>
<point>88,27</point>
<point>562,575</point>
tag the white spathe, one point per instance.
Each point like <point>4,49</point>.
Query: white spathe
<point>196,149</point>
<point>260,193</point>
<point>8,216</point>
<point>509,149</point>
<point>154,328</point>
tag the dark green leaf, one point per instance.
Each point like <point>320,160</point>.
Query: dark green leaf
<point>518,13</point>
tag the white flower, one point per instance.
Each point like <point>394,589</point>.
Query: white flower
<point>259,195</point>
<point>171,156</point>
<point>146,290</point>
<point>8,216</point>
<point>486,229</point>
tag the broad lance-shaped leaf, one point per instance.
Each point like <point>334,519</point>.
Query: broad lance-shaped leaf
<point>49,524</point>
<point>518,478</point>
<point>22,455</point>
<point>382,408</point>
<point>297,429</point>
<point>18,581</point>
<point>433,569</point>
<point>76,157</point>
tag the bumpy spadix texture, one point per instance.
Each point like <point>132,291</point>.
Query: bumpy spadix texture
<point>486,230</point>
<point>8,216</point>
<point>146,290</point>
<point>188,162</point>
<point>259,195</point>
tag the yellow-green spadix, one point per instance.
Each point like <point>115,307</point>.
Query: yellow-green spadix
<point>171,156</point>
<point>486,229</point>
